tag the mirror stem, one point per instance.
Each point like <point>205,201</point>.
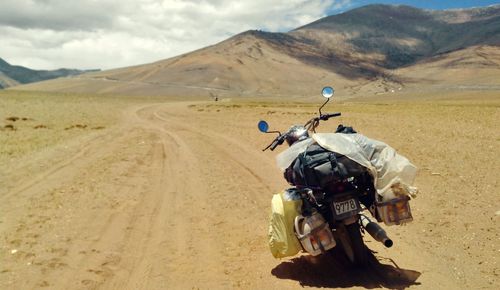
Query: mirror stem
<point>323,106</point>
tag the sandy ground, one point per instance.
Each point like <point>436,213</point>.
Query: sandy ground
<point>176,195</point>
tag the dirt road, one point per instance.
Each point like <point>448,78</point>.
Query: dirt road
<point>174,198</point>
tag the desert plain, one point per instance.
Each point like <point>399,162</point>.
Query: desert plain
<point>116,192</point>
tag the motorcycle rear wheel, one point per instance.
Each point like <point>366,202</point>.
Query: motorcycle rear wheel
<point>353,245</point>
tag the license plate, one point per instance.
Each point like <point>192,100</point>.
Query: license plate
<point>345,206</point>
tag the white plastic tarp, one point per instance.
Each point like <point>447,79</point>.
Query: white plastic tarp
<point>393,173</point>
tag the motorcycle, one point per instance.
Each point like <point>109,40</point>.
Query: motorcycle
<point>338,201</point>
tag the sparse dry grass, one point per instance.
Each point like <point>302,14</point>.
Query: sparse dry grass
<point>39,119</point>
<point>31,121</point>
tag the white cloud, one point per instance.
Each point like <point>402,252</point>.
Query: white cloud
<point>48,34</point>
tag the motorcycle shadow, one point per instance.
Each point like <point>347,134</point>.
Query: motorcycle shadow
<point>333,270</point>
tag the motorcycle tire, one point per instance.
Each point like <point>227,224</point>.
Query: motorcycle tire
<point>352,243</point>
<point>358,246</point>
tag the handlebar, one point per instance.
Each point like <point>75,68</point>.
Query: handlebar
<point>328,116</point>
<point>278,141</point>
<point>310,125</point>
<point>274,144</point>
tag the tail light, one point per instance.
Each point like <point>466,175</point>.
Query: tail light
<point>395,211</point>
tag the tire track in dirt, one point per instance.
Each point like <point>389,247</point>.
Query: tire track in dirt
<point>126,247</point>
<point>186,224</point>
<point>56,168</point>
<point>235,149</point>
<point>74,202</point>
<point>238,201</point>
<point>142,224</point>
<point>128,231</point>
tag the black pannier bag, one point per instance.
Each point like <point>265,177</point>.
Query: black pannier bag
<point>316,168</point>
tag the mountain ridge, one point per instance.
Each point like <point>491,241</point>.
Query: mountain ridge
<point>370,46</point>
<point>12,75</point>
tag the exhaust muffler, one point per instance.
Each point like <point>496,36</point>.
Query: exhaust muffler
<point>376,231</point>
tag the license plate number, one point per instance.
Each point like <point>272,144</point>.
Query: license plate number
<point>346,206</point>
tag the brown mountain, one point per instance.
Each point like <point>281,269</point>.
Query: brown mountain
<point>375,48</point>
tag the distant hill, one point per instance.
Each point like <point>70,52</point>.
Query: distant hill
<point>371,49</point>
<point>6,81</point>
<point>12,75</point>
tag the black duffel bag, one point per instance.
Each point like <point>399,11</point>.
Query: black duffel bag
<point>317,168</point>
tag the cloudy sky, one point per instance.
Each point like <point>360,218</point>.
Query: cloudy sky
<point>49,34</point>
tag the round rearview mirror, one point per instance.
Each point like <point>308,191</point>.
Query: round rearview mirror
<point>327,92</point>
<point>263,126</point>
